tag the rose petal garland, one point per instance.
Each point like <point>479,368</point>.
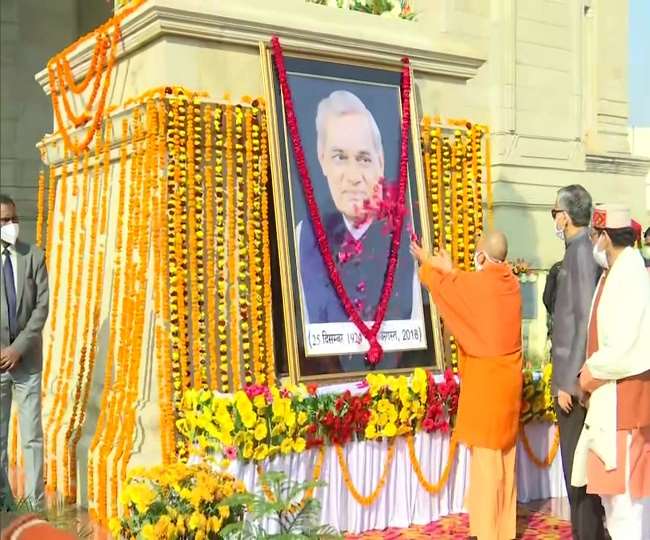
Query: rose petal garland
<point>375,351</point>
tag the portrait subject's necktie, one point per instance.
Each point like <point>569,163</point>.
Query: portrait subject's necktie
<point>10,293</point>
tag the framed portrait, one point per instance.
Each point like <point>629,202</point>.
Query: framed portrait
<point>349,119</point>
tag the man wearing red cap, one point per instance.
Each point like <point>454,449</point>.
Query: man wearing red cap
<point>613,454</point>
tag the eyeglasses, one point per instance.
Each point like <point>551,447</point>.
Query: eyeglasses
<point>556,211</point>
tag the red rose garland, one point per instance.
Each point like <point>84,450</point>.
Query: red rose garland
<point>375,352</point>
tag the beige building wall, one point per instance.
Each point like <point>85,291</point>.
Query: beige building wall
<point>548,76</point>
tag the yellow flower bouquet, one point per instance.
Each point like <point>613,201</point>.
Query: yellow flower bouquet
<point>177,502</point>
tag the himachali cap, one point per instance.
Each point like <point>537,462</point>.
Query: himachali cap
<point>611,216</point>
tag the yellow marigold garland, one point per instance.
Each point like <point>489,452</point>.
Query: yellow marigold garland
<point>210,248</point>
<point>254,208</point>
<point>195,249</point>
<point>231,251</point>
<point>365,500</point>
<point>222,381</point>
<point>315,477</point>
<point>97,488</point>
<point>243,275</point>
<point>266,350</point>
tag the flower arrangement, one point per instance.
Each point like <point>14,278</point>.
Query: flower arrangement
<point>399,9</point>
<point>177,502</point>
<point>262,422</point>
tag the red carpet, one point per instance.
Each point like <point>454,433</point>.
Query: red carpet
<point>530,525</point>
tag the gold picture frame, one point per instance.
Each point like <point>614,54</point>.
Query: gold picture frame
<point>291,338</point>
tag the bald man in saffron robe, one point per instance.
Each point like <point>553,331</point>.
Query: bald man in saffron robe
<point>482,310</point>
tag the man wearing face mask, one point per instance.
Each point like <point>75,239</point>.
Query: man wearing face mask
<point>24,299</point>
<point>613,454</point>
<point>483,311</point>
<point>576,283</point>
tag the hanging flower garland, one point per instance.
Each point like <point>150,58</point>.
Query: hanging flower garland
<point>431,488</point>
<point>210,262</point>
<point>365,500</point>
<point>546,461</point>
<point>375,351</point>
<point>242,272</point>
<point>222,379</point>
<point>266,347</point>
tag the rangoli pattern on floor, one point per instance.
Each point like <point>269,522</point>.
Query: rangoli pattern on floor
<point>530,526</point>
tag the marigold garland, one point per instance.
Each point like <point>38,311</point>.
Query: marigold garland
<point>431,488</point>
<point>232,250</point>
<point>40,207</point>
<point>365,500</point>
<point>195,248</point>
<point>67,363</point>
<point>309,493</point>
<point>266,348</point>
<point>548,460</point>
<point>210,247</point>
<point>254,234</point>
<point>220,229</point>
<point>97,488</point>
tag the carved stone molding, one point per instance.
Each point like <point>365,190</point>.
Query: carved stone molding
<point>610,164</point>
<point>246,23</point>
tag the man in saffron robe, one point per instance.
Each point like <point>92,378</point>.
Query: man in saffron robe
<point>483,311</point>
<point>613,453</point>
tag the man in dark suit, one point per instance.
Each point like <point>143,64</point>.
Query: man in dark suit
<point>24,300</point>
<point>351,157</point>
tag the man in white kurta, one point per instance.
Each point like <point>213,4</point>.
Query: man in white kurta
<point>613,454</point>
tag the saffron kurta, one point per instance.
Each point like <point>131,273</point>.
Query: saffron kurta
<point>483,312</point>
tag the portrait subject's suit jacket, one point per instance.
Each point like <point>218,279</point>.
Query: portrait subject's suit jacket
<point>32,304</point>
<point>362,273</point>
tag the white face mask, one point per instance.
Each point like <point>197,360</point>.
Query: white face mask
<point>9,233</point>
<point>645,251</point>
<point>600,256</point>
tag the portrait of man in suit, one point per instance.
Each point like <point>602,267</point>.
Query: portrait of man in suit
<point>24,301</point>
<point>358,226</point>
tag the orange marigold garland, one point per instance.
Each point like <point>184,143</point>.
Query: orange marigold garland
<point>210,249</point>
<point>161,300</point>
<point>548,460</point>
<point>40,208</point>
<point>366,500</point>
<point>67,363</point>
<point>431,488</point>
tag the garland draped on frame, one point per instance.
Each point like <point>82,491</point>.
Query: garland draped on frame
<point>375,352</point>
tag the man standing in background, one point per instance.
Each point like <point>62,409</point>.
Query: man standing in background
<point>24,301</point>
<point>576,283</point>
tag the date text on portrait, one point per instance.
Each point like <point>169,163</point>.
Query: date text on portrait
<point>345,338</point>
